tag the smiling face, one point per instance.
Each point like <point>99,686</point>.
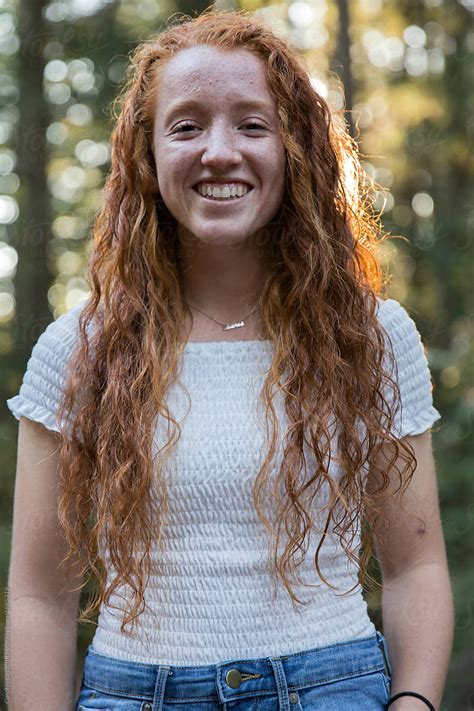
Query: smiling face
<point>219,155</point>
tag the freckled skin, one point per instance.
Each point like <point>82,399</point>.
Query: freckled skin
<point>220,145</point>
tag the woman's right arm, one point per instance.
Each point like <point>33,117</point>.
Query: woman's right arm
<point>41,627</point>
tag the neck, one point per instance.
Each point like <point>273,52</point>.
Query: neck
<point>224,281</point>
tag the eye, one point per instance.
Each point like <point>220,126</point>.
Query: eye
<point>256,124</point>
<point>179,128</point>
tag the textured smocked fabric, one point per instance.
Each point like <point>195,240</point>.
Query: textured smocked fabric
<point>210,596</point>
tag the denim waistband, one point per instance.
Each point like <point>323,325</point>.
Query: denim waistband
<point>236,678</point>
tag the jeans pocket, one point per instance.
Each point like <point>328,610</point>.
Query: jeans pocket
<point>356,693</point>
<point>92,699</point>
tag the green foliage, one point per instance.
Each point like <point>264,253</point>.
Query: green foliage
<point>415,131</point>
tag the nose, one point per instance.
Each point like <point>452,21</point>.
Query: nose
<point>220,148</point>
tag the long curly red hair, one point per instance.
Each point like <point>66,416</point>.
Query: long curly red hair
<point>318,308</point>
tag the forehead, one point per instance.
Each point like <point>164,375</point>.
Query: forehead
<point>212,71</point>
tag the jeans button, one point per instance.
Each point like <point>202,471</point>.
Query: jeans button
<point>147,707</point>
<point>293,698</point>
<point>233,678</point>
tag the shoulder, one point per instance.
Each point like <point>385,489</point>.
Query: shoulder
<point>60,335</point>
<point>401,330</point>
<point>392,315</point>
<point>46,370</point>
<point>56,343</point>
<point>406,359</point>
<point>53,349</point>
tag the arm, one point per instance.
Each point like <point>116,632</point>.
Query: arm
<point>417,604</point>
<point>41,633</point>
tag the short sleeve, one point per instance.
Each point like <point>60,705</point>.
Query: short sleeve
<point>43,381</point>
<point>416,412</point>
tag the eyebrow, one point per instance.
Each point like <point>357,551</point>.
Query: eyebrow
<point>194,104</point>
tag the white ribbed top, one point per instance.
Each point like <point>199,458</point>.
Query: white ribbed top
<point>209,598</point>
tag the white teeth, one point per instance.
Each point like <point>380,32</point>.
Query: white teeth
<point>224,192</point>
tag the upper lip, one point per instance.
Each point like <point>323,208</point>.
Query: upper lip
<point>222,181</point>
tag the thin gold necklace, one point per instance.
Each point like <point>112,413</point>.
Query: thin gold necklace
<point>225,326</point>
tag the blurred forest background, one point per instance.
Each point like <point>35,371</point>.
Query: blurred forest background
<point>404,73</point>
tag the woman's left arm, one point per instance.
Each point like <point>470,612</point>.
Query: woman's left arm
<point>417,601</point>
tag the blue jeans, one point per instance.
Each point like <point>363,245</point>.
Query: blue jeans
<point>353,676</point>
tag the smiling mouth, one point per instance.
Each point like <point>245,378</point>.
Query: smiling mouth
<point>210,198</point>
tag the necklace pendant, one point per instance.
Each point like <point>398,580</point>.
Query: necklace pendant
<point>229,326</point>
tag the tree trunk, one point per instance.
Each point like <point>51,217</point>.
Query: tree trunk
<point>343,61</point>
<point>32,231</point>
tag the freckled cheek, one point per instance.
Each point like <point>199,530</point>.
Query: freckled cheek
<point>271,161</point>
<point>280,171</point>
<point>182,169</point>
<point>273,176</point>
<point>280,157</point>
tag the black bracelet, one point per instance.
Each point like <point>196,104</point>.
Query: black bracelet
<point>411,693</point>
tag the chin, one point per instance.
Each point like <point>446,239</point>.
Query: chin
<point>226,238</point>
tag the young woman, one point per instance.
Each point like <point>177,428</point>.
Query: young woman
<point>222,430</point>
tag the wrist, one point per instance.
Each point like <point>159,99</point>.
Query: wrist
<point>408,704</point>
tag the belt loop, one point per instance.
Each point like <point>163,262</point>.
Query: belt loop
<point>382,644</point>
<point>159,695</point>
<point>281,685</point>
